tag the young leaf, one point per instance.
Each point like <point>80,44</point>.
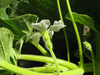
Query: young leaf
<point>83,19</point>
<point>20,25</point>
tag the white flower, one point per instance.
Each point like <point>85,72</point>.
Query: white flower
<point>41,26</point>
<point>44,26</point>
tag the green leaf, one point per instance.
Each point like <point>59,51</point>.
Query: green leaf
<point>45,9</point>
<point>21,25</point>
<point>5,3</point>
<point>6,40</point>
<point>7,53</point>
<point>83,19</point>
<point>3,14</point>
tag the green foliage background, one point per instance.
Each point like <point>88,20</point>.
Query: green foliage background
<point>13,16</point>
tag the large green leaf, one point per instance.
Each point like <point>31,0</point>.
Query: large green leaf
<point>6,39</point>
<point>7,53</point>
<point>45,9</point>
<point>20,25</point>
<point>83,19</point>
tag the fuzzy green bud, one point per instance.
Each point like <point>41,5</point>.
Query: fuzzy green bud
<point>87,45</point>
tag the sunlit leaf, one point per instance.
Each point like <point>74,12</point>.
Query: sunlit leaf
<point>20,25</point>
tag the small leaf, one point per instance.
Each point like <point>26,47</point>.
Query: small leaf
<point>57,26</point>
<point>35,36</point>
<point>41,26</point>
<point>83,19</point>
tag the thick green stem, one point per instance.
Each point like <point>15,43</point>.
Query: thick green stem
<point>47,69</point>
<point>64,63</point>
<point>16,69</point>
<point>21,71</point>
<point>77,34</point>
<point>39,47</point>
<point>65,34</point>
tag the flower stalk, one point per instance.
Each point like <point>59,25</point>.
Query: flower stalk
<point>77,34</point>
